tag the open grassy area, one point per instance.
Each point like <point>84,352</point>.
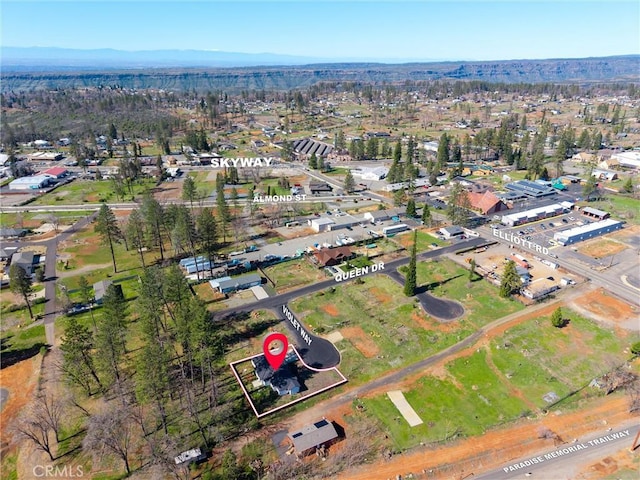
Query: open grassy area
<point>476,392</point>
<point>90,191</point>
<point>383,329</point>
<point>539,358</point>
<point>424,240</point>
<point>475,401</point>
<point>294,273</point>
<point>620,206</point>
<point>34,219</point>
<point>480,299</point>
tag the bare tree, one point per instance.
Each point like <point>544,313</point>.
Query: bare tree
<point>111,432</point>
<point>52,410</point>
<point>35,427</point>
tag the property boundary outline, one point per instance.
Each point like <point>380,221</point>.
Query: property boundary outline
<point>273,410</point>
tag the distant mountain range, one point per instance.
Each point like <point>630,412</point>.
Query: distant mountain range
<point>32,68</point>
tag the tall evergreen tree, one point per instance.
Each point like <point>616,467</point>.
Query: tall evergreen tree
<point>77,357</point>
<point>134,232</point>
<point>411,279</point>
<point>510,281</point>
<point>411,208</point>
<point>189,191</point>
<point>111,335</point>
<point>20,282</point>
<point>426,215</point>
<point>107,228</point>
<point>349,182</point>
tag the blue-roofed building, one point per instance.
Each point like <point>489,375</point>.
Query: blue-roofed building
<point>530,189</point>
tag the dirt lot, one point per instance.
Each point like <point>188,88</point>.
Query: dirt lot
<point>493,260</point>
<point>361,340</point>
<point>601,247</point>
<point>20,380</point>
<point>607,309</point>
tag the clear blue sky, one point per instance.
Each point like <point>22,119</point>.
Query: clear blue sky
<point>453,30</point>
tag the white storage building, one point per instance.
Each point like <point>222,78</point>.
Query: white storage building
<point>585,232</point>
<point>35,182</point>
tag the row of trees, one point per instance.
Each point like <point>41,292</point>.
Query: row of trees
<point>164,393</point>
<point>152,225</point>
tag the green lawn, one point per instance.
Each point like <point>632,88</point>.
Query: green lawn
<point>539,358</point>
<point>476,401</point>
<point>620,206</point>
<point>65,218</point>
<point>533,357</point>
<point>480,299</point>
<point>380,309</point>
<point>294,273</point>
<point>90,191</point>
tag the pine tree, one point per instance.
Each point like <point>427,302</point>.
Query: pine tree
<point>410,279</point>
<point>189,191</point>
<point>426,215</point>
<point>107,228</point>
<point>411,208</point>
<point>349,182</point>
<point>511,281</point>
<point>20,282</point>
<point>313,161</point>
<point>557,320</point>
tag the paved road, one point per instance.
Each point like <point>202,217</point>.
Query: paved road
<point>566,461</point>
<point>51,246</point>
<point>316,352</point>
<point>325,356</point>
<point>440,308</point>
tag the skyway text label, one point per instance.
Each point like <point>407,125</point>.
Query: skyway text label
<point>241,162</point>
<point>358,272</point>
<point>511,238</point>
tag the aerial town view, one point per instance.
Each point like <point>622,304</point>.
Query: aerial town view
<point>287,240</point>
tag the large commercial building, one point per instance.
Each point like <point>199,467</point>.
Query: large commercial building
<point>35,182</point>
<point>530,189</point>
<point>585,232</point>
<point>533,215</point>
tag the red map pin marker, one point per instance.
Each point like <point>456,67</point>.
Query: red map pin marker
<point>275,347</point>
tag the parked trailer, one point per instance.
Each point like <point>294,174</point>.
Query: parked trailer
<point>392,230</point>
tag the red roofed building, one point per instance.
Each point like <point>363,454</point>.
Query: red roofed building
<point>333,256</point>
<point>55,172</point>
<point>486,202</point>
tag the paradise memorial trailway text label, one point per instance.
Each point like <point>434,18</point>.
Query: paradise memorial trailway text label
<point>566,451</point>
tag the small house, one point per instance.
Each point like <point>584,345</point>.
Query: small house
<point>318,434</point>
<point>333,256</point>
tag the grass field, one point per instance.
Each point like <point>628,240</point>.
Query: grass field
<point>294,273</point>
<point>35,219</point>
<point>539,359</point>
<point>424,240</point>
<point>90,191</point>
<point>620,206</point>
<point>384,329</point>
<point>476,392</point>
<point>475,401</point>
<point>480,299</point>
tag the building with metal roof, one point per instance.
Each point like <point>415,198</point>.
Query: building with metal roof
<point>533,215</point>
<point>312,436</point>
<point>530,189</point>
<point>34,182</point>
<point>585,232</point>
<point>239,283</point>
<point>595,213</point>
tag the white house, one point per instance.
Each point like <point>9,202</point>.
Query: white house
<point>376,174</point>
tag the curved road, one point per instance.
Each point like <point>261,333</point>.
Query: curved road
<point>322,354</point>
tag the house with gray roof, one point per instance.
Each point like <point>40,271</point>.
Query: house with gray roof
<point>311,436</point>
